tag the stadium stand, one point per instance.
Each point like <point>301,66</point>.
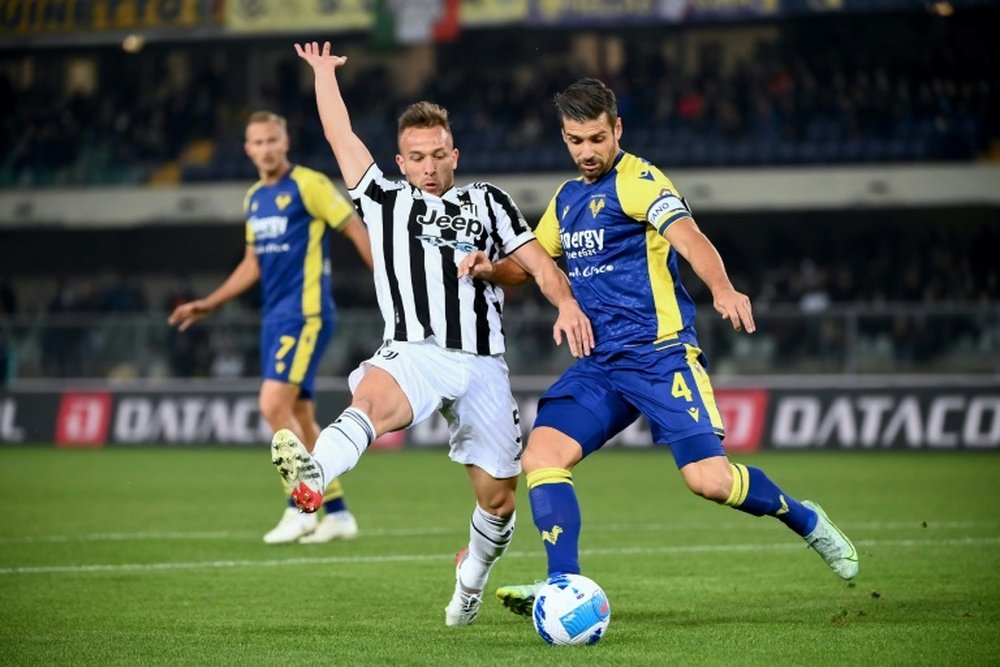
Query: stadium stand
<point>847,290</point>
<point>815,90</point>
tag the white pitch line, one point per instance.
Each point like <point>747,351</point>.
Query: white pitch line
<point>209,535</point>
<point>410,558</point>
<point>411,532</point>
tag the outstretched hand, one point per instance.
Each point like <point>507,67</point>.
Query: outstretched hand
<point>576,326</point>
<point>476,265</point>
<point>735,307</point>
<point>317,57</point>
<point>188,313</point>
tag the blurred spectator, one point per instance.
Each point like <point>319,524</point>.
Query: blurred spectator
<point>884,98</point>
<point>8,297</point>
<point>227,358</point>
<point>7,357</point>
<point>62,340</point>
<point>124,295</point>
<point>180,291</point>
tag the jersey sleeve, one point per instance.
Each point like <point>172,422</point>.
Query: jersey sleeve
<point>650,196</point>
<point>547,231</point>
<point>323,200</point>
<point>248,232</point>
<point>511,227</point>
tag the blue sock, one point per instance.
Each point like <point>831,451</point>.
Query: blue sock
<point>754,493</point>
<point>334,505</point>
<point>333,498</point>
<point>557,516</point>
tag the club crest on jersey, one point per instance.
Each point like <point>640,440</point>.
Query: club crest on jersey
<point>596,204</point>
<point>283,200</point>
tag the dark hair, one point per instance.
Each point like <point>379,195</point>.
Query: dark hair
<point>423,114</point>
<point>586,100</point>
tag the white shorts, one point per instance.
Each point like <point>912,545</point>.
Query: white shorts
<point>472,393</point>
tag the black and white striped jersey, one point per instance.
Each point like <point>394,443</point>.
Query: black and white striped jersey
<point>417,241</point>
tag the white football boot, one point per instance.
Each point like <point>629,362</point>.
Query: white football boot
<point>336,526</point>
<point>464,605</point>
<point>292,526</point>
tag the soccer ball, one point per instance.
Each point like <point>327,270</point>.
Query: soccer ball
<point>571,609</point>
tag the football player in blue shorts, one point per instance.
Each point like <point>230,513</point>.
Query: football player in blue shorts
<point>620,227</point>
<point>289,214</point>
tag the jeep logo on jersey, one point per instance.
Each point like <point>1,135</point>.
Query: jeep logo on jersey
<point>470,226</point>
<point>270,227</point>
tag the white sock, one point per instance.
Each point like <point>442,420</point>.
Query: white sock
<point>489,537</point>
<point>342,443</point>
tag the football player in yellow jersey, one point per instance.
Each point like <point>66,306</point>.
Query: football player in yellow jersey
<point>290,211</point>
<point>620,227</point>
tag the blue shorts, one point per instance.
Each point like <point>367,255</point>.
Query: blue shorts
<point>291,349</point>
<point>598,397</point>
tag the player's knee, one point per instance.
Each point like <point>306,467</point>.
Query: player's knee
<point>275,412</point>
<point>710,483</point>
<point>530,460</point>
<point>548,448</point>
<point>498,502</point>
<point>536,458</point>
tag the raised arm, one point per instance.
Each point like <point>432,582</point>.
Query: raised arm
<point>352,155</point>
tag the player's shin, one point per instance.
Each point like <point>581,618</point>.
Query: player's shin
<point>556,513</point>
<point>754,493</point>
<point>489,537</point>
<point>341,444</point>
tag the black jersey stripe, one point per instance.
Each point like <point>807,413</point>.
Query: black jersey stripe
<point>388,200</point>
<point>507,204</point>
<point>480,305</point>
<point>418,274</point>
<point>449,273</point>
<point>419,236</point>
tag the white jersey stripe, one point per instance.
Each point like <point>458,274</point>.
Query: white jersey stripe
<point>418,239</point>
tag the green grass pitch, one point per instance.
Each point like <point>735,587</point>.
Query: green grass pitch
<point>154,557</point>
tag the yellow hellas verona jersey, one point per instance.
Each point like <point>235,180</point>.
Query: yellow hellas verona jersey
<point>287,224</point>
<point>622,270</point>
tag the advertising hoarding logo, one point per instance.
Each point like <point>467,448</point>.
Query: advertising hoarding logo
<point>83,419</point>
<point>912,419</point>
<point>743,413</point>
<point>9,429</point>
